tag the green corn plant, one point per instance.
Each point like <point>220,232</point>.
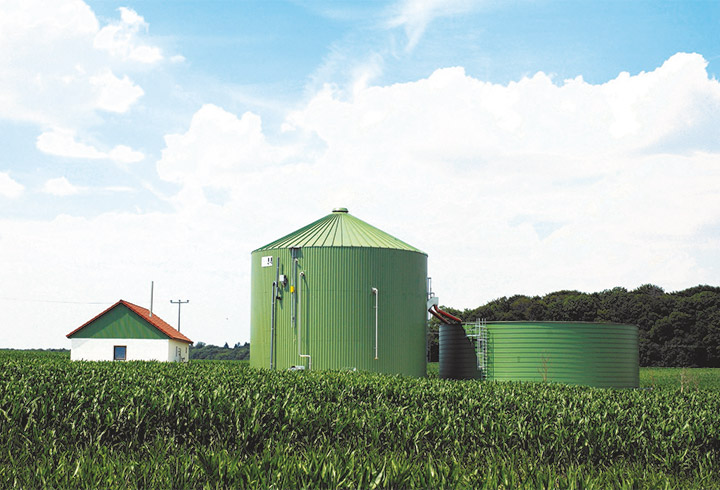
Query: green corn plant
<point>222,424</point>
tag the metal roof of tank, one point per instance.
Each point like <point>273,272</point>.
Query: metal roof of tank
<point>339,229</point>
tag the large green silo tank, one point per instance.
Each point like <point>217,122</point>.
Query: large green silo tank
<point>590,354</point>
<point>354,297</point>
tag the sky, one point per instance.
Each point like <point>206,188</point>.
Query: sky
<point>527,146</point>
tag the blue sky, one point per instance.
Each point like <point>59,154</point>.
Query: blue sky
<point>570,144</point>
<point>263,43</point>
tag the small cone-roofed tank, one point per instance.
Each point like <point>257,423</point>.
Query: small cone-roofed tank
<point>339,294</point>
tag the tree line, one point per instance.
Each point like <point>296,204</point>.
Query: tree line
<point>680,329</point>
<point>239,352</point>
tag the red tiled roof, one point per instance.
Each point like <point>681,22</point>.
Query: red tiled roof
<point>153,320</point>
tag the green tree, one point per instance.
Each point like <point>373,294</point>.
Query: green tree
<point>675,329</point>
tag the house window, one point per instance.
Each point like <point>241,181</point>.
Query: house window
<point>120,353</point>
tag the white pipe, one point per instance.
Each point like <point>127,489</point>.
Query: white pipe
<point>299,323</point>
<point>272,315</point>
<point>293,287</point>
<point>376,293</point>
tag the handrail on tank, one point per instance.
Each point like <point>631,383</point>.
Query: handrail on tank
<point>444,316</point>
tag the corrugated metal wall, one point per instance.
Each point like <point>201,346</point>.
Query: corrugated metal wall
<point>458,359</point>
<point>592,354</point>
<point>337,309</point>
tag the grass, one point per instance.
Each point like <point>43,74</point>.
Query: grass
<point>683,379</point>
<point>656,378</point>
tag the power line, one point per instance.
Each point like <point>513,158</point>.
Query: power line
<point>32,300</point>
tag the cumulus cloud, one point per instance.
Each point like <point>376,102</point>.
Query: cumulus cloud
<point>23,19</point>
<point>10,188</point>
<point>217,148</point>
<point>543,185</point>
<point>529,187</point>
<point>125,154</point>
<point>52,72</point>
<point>60,187</point>
<point>60,68</point>
<point>458,117</point>
<point>120,39</point>
<point>114,94</point>
<point>62,142</point>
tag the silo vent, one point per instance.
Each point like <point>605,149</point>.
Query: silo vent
<point>340,210</point>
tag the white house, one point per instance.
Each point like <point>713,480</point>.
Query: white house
<point>127,332</point>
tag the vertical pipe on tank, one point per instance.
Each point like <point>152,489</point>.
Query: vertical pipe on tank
<point>272,314</point>
<point>299,310</point>
<point>376,293</point>
<point>293,287</point>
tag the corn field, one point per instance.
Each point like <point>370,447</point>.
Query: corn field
<point>215,424</point>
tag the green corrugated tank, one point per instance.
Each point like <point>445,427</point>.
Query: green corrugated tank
<point>331,274</point>
<point>457,355</point>
<point>590,354</point>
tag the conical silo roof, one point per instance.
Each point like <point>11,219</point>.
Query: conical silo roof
<point>339,229</point>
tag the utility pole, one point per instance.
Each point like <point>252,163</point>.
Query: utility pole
<point>179,303</point>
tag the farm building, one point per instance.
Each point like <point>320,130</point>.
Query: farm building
<point>339,294</point>
<point>127,332</point>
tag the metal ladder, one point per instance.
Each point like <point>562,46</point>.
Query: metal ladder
<point>477,333</point>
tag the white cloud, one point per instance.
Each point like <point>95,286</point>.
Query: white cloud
<point>120,188</point>
<point>528,187</point>
<point>50,71</point>
<point>217,148</point>
<point>114,94</point>
<point>455,117</point>
<point>62,142</point>
<point>120,39</point>
<point>490,165</point>
<point>60,187</point>
<point>10,188</point>
<point>24,19</point>
<point>125,154</point>
<point>415,15</point>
